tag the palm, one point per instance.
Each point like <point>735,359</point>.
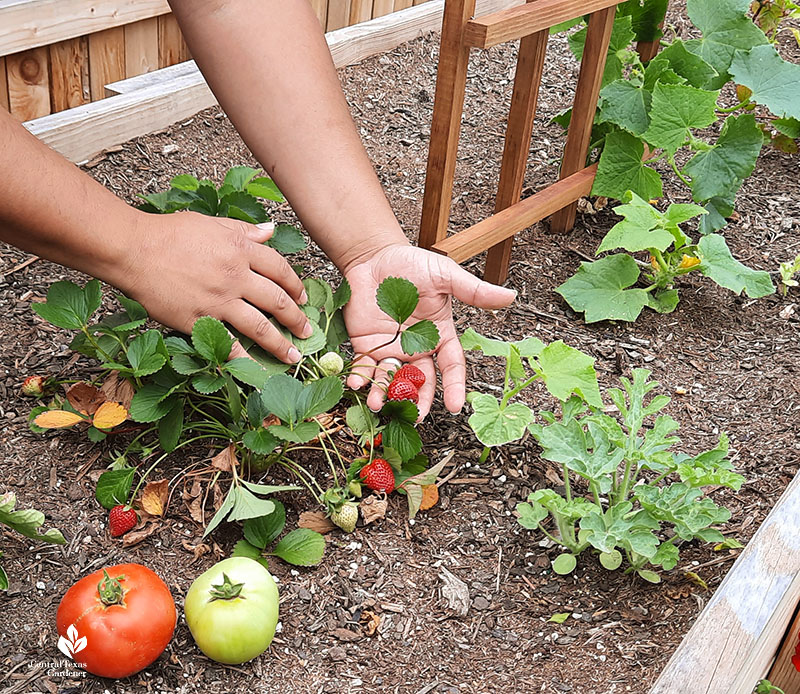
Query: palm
<point>437,279</point>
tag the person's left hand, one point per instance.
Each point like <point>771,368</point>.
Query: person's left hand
<point>438,279</point>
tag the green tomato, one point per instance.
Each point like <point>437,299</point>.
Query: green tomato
<point>232,610</point>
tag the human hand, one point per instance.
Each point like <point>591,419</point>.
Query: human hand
<point>189,265</point>
<point>438,279</point>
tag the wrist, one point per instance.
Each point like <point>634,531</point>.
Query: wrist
<point>369,246</point>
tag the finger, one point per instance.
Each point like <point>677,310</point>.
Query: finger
<point>268,262</point>
<point>249,321</point>
<point>377,394</point>
<point>260,233</point>
<point>453,368</point>
<point>428,389</point>
<point>237,351</point>
<point>269,297</point>
<point>467,288</point>
<point>363,368</point>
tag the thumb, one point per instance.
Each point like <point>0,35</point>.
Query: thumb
<point>465,287</point>
<point>260,232</point>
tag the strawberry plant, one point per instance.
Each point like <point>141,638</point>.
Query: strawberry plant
<point>788,270</point>
<point>27,522</point>
<point>604,289</point>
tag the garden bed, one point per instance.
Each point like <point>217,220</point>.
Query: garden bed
<point>730,364</point>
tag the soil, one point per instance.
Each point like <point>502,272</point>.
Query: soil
<point>730,364</point>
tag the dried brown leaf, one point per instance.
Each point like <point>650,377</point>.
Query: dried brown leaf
<point>373,508</point>
<point>118,390</point>
<point>370,622</point>
<point>154,497</point>
<point>84,397</point>
<point>197,550</point>
<point>225,460</point>
<point>140,532</point>
<point>315,520</point>
<point>430,497</point>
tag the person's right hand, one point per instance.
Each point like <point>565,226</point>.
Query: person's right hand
<point>189,265</point>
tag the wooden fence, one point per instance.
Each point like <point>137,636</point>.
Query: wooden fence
<point>57,54</point>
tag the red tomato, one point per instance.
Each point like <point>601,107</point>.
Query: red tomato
<point>125,613</point>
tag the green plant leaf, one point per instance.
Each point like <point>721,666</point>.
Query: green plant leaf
<point>248,505</point>
<point>619,53</point>
<point>143,353</point>
<point>170,427</point>
<point>263,187</point>
<point>260,441</point>
<point>133,308</point>
<point>529,347</point>
<point>397,298</point>
<point>114,486</point>
<point>263,530</point>
<point>566,370</point>
<point>565,564</point>
<point>400,433</point>
<point>626,105</point>
<point>621,169</point>
<point>361,420</point>
<point>530,515</point>
<point>177,345</point>
<point>301,547</point>
<point>211,340</point>
<point>243,206</point>
<point>69,306</point>
<point>600,290</point>
<point>726,28</point>
<point>719,265</point>
<point>787,126</point>
<point>420,337</point>
<point>280,396</point>
<point>611,560</point>
<point>224,510</point>
<point>207,383</point>
<point>244,549</point>
<point>646,19</point>
<point>559,617</point>
<point>186,365</point>
<point>302,432</point>
<point>677,110</point>
<point>319,396</point>
<point>666,556</point>
<point>775,82</point>
<point>496,426</point>
<point>247,371</point>
<point>649,576</point>
<point>3,577</point>
<point>720,170</point>
<point>185,182</point>
<point>621,526</point>
<point>341,296</point>
<point>207,200</point>
<point>688,65</point>
<point>150,403</point>
<point>287,239</point>
<point>27,521</point>
<point>239,176</point>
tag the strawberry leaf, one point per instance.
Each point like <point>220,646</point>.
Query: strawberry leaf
<point>397,298</point>
<point>420,337</point>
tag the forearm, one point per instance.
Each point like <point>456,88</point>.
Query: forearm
<point>52,209</point>
<point>269,66</point>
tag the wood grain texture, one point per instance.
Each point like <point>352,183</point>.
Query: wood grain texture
<point>514,23</point>
<point>338,14</point>
<point>141,47</point>
<point>783,673</point>
<point>584,108</point>
<point>528,77</point>
<point>82,132</point>
<point>69,74</point>
<point>171,46</point>
<point>320,7</point>
<point>360,11</point>
<point>28,84</point>
<point>504,224</point>
<point>3,85</point>
<point>735,638</point>
<point>448,104</point>
<point>106,60</point>
<point>402,4</point>
<point>33,23</point>
<point>381,8</point>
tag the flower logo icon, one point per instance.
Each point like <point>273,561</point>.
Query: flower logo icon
<point>72,644</point>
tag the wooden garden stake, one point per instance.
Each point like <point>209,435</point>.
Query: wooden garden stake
<point>530,22</point>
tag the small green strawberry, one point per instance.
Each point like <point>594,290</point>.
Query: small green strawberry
<point>346,516</point>
<point>354,488</point>
<point>331,363</point>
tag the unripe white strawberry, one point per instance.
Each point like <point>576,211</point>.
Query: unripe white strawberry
<point>331,363</point>
<point>346,516</point>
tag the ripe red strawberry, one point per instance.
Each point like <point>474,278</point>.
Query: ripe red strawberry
<point>121,519</point>
<point>377,441</point>
<point>409,372</point>
<point>400,389</point>
<point>378,476</point>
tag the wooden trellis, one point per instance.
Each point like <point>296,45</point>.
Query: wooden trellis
<point>530,22</point>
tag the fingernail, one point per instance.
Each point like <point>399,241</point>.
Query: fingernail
<point>303,298</point>
<point>308,330</point>
<point>266,226</point>
<point>294,355</point>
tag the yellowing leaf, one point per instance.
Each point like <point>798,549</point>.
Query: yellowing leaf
<point>154,497</point>
<point>559,617</point>
<point>694,578</point>
<point>109,414</point>
<point>57,419</point>
<point>430,497</point>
